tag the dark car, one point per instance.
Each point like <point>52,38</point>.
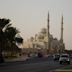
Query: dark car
<point>40,55</point>
<point>56,56</point>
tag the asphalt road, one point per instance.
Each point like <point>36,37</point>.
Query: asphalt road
<point>32,65</point>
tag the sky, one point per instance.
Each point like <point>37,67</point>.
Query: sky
<point>30,16</point>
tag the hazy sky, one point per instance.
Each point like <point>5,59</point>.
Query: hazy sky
<point>29,16</point>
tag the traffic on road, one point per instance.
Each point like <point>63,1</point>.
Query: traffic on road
<point>36,64</point>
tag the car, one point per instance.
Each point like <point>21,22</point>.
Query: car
<point>40,55</point>
<point>56,56</point>
<point>64,58</point>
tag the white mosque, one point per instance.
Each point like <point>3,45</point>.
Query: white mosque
<point>45,41</point>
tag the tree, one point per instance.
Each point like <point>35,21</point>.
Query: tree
<point>7,36</point>
<point>3,23</point>
<point>10,33</point>
<point>19,40</point>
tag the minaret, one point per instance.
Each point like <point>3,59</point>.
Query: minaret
<point>61,39</point>
<point>62,45</point>
<point>48,32</point>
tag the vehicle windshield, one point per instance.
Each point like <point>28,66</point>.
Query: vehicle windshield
<point>64,56</point>
<point>57,55</point>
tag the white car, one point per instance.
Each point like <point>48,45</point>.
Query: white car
<point>64,58</point>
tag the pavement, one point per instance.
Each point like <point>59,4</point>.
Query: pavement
<point>20,58</point>
<point>60,70</point>
<point>34,64</point>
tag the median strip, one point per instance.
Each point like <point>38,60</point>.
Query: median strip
<point>66,69</point>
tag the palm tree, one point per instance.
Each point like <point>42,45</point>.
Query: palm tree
<point>10,33</point>
<point>19,40</point>
<point>7,36</point>
<point>3,23</point>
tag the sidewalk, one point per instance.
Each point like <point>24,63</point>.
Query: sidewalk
<point>64,69</point>
<point>22,58</point>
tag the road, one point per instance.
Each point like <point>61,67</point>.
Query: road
<point>32,65</point>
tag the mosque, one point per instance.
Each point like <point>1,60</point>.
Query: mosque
<point>45,42</point>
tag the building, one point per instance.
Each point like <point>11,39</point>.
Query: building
<point>45,41</point>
